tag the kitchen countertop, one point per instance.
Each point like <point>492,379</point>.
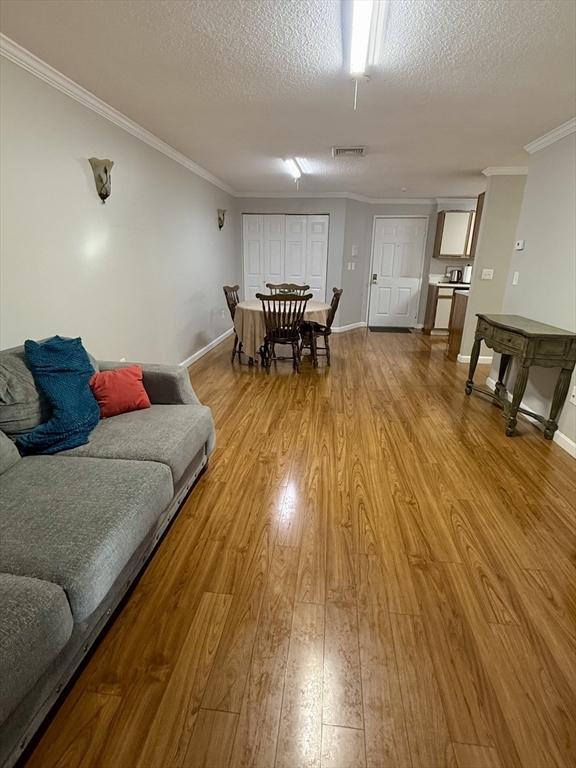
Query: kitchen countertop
<point>448,285</point>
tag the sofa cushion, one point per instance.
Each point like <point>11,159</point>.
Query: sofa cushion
<point>77,521</point>
<point>8,453</point>
<point>169,434</point>
<point>21,406</point>
<point>35,624</point>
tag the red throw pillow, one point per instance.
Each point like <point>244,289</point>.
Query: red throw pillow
<point>119,391</point>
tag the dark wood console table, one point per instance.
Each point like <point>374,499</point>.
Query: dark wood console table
<point>531,343</point>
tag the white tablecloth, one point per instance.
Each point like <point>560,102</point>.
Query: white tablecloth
<point>251,329</point>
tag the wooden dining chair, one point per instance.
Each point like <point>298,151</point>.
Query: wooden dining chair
<point>283,316</point>
<point>232,299</point>
<point>310,332</point>
<point>288,288</point>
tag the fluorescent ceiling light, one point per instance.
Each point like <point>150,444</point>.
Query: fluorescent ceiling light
<point>292,168</point>
<point>304,165</point>
<point>361,24</point>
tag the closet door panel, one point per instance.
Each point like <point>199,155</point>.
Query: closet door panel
<point>317,255</point>
<point>274,241</point>
<point>295,260</point>
<point>253,246</point>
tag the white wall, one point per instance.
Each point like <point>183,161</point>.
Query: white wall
<point>494,251</point>
<point>139,277</point>
<point>546,290</point>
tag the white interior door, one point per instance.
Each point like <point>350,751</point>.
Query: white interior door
<point>397,260</point>
<point>253,247</point>
<point>295,259</point>
<point>317,255</point>
<point>274,241</point>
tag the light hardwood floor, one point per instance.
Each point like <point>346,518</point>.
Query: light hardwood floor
<point>369,575</point>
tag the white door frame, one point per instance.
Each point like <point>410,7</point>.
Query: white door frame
<point>391,216</point>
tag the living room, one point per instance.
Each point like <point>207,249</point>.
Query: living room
<point>325,517</point>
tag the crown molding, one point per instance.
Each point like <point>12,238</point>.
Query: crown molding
<point>552,136</point>
<point>503,170</point>
<point>303,195</point>
<point>456,200</point>
<point>31,63</point>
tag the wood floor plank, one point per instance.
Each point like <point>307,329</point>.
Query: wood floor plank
<point>171,729</point>
<point>428,735</point>
<point>342,692</point>
<point>342,747</point>
<point>539,718</point>
<point>257,733</point>
<point>87,721</point>
<point>474,756</point>
<point>225,688</point>
<point>384,720</point>
<point>212,740</point>
<point>300,735</point>
<point>473,713</point>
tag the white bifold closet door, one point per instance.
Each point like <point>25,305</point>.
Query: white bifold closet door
<point>285,248</point>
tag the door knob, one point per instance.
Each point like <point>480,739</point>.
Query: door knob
<point>374,278</point>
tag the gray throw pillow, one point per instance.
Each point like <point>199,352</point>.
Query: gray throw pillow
<point>21,406</point>
<point>8,453</point>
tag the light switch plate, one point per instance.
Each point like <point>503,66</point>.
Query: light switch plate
<point>354,250</point>
<point>515,278</point>
<point>487,274</point>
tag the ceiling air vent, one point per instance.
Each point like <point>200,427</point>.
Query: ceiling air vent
<point>348,151</point>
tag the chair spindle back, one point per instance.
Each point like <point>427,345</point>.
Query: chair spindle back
<point>232,298</point>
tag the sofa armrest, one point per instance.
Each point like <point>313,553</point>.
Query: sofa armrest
<point>164,384</point>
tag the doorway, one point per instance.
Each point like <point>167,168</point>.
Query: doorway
<point>398,247</point>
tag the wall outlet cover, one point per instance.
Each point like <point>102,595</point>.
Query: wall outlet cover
<point>519,245</point>
<point>573,396</point>
<point>515,278</point>
<point>487,274</point>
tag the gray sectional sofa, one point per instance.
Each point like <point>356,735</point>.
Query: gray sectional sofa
<point>77,527</point>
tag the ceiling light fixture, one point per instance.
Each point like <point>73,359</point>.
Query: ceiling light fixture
<point>361,24</point>
<point>292,168</point>
<point>368,20</point>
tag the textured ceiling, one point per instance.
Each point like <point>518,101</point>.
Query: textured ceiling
<point>238,84</point>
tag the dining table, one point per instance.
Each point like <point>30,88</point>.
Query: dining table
<point>251,329</point>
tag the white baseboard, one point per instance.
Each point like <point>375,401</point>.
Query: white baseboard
<point>207,348</point>
<point>559,438</point>
<point>482,360</point>
<point>565,443</point>
<point>351,327</point>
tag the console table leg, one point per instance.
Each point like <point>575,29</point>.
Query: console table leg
<point>474,355</point>
<point>560,392</point>
<point>504,362</point>
<point>519,389</point>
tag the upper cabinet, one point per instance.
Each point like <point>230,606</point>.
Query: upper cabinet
<point>455,235</point>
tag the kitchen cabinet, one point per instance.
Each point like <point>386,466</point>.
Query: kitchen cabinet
<point>454,233</point>
<point>456,323</point>
<point>439,306</point>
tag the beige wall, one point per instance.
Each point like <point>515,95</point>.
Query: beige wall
<point>494,251</point>
<point>139,277</point>
<point>546,289</point>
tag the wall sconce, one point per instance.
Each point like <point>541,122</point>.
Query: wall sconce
<point>102,170</point>
<point>221,217</point>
